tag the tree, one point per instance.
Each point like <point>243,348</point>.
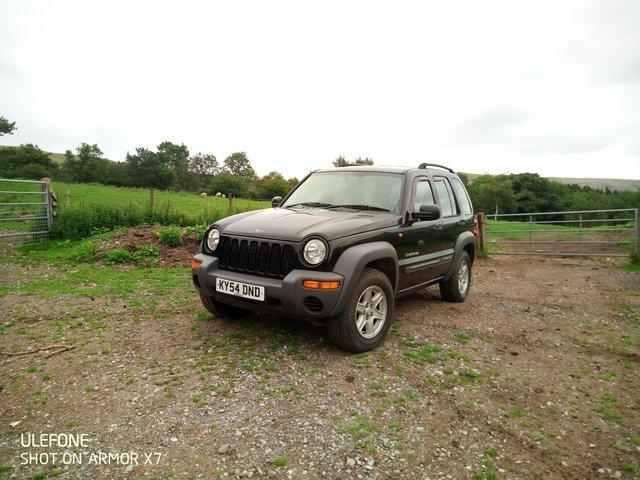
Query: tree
<point>6,127</point>
<point>86,166</point>
<point>26,161</point>
<point>273,185</point>
<point>204,164</point>
<point>238,164</point>
<point>492,193</point>
<point>230,185</point>
<point>363,161</point>
<point>150,170</point>
<point>201,168</point>
<point>341,161</point>
<point>176,157</point>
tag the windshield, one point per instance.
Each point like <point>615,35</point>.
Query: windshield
<point>373,191</point>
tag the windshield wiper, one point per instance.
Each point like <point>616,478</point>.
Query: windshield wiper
<point>357,206</point>
<point>310,204</point>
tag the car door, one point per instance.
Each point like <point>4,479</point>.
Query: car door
<point>451,221</point>
<point>419,248</point>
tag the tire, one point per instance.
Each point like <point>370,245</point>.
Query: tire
<point>222,310</point>
<point>455,289</point>
<point>343,330</point>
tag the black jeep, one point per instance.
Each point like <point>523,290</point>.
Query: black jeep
<point>340,248</point>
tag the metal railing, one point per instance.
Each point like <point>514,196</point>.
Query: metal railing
<point>26,212</point>
<point>605,233</point>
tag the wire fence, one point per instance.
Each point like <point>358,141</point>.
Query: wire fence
<point>26,211</point>
<point>610,233</point>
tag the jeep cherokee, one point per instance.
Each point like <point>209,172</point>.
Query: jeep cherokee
<point>340,248</point>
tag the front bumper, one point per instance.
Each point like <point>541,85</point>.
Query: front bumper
<point>286,297</point>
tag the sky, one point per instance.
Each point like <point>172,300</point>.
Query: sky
<point>484,87</point>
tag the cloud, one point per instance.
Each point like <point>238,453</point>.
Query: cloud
<point>551,86</point>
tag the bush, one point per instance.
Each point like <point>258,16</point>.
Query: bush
<point>85,252</point>
<point>634,258</point>
<point>170,236</point>
<point>145,252</point>
<point>118,255</point>
<point>146,255</point>
<point>197,230</point>
<point>84,221</point>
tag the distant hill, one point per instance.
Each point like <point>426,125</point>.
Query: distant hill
<point>601,183</point>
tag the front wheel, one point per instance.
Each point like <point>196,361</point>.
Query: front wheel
<point>365,321</point>
<point>456,288</point>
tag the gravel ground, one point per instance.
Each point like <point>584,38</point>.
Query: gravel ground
<point>536,375</point>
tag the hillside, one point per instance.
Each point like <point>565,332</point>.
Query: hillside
<point>601,183</point>
<point>622,184</point>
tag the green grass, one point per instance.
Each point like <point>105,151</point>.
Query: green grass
<point>631,267</point>
<point>517,230</point>
<point>91,280</point>
<point>189,204</point>
<point>280,462</point>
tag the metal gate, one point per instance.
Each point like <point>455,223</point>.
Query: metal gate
<point>605,233</point>
<point>26,212</point>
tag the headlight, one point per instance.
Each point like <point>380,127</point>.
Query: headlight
<point>314,251</point>
<point>213,238</point>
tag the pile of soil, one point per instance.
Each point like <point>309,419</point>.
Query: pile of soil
<point>134,238</point>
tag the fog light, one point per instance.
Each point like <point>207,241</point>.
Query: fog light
<point>321,285</point>
<point>195,263</point>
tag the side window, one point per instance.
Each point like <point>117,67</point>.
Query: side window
<point>423,195</point>
<point>445,195</point>
<point>462,196</point>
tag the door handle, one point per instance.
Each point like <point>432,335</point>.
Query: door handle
<point>438,227</point>
<point>461,222</point>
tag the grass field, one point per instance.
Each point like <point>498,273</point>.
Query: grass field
<point>515,230</point>
<point>90,208</point>
<point>82,194</point>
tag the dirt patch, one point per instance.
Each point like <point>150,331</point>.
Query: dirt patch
<point>535,376</point>
<point>134,238</point>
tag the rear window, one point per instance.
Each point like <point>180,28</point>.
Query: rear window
<point>445,195</point>
<point>461,195</point>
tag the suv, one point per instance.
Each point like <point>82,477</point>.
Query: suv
<point>339,249</point>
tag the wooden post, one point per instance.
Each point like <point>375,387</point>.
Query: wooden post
<point>45,186</point>
<point>481,230</point>
<point>67,197</point>
<point>231,209</point>
<point>637,247</point>
<point>151,198</point>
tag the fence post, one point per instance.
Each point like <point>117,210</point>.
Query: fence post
<point>637,215</point>
<point>45,187</point>
<point>67,197</point>
<point>481,231</point>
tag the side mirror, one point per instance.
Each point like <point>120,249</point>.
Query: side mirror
<point>426,212</point>
<point>276,201</point>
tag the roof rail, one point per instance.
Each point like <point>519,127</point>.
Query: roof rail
<point>423,166</point>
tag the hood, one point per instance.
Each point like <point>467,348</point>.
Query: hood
<point>295,225</point>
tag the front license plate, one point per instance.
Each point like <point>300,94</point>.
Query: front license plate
<point>244,290</point>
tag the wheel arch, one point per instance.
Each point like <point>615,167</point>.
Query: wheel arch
<point>378,255</point>
<point>466,242</point>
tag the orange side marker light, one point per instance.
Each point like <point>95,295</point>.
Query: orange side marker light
<point>321,285</point>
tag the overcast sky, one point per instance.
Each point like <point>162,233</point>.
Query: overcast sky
<point>548,87</point>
